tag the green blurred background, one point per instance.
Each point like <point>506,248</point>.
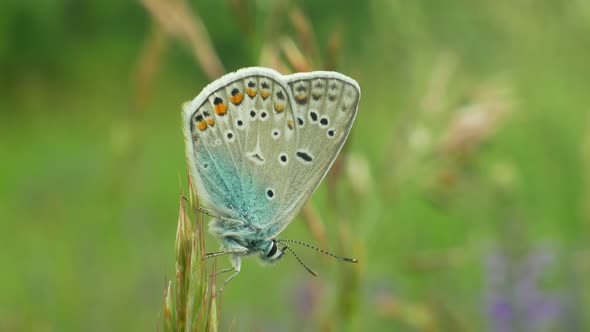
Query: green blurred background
<point>463,188</point>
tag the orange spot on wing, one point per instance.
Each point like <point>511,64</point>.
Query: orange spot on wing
<point>202,125</point>
<point>220,109</point>
<point>290,124</point>
<point>210,122</point>
<point>264,94</point>
<point>279,107</point>
<point>237,98</point>
<point>251,92</point>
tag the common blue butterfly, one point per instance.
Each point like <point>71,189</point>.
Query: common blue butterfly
<point>258,144</point>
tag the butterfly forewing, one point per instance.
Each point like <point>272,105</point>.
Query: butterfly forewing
<point>259,143</point>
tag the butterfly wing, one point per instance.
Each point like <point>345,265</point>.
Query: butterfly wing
<point>324,106</point>
<point>259,143</point>
<point>235,130</point>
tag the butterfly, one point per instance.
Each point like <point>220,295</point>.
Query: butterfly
<point>258,144</point>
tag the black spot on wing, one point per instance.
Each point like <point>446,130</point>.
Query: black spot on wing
<point>313,116</point>
<point>304,156</point>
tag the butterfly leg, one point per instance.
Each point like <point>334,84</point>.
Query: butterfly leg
<point>236,221</point>
<point>238,251</point>
<point>236,262</point>
<point>229,269</point>
<point>211,214</point>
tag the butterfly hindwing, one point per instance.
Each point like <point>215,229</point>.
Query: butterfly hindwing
<point>324,107</point>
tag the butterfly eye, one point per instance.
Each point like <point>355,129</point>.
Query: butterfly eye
<point>273,249</point>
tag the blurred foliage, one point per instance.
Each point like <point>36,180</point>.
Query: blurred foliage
<point>465,170</point>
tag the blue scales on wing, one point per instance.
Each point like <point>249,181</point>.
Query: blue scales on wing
<point>259,143</point>
<point>234,131</point>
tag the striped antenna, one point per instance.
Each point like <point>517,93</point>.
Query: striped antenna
<point>299,260</point>
<point>350,260</point>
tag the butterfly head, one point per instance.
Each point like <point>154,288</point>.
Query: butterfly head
<point>273,253</point>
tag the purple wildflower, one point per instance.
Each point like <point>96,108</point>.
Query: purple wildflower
<point>515,299</point>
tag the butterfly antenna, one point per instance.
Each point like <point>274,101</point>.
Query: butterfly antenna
<point>350,260</point>
<point>299,260</point>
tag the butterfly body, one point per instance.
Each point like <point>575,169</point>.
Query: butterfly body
<point>258,144</point>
